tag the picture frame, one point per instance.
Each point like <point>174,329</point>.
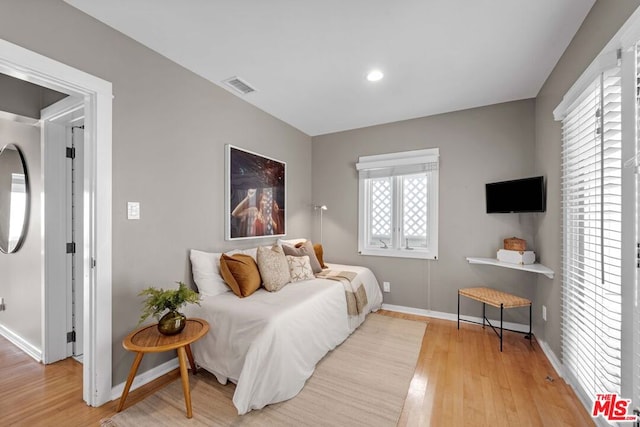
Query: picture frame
<point>255,195</point>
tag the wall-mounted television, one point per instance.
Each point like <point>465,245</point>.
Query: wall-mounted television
<point>519,195</point>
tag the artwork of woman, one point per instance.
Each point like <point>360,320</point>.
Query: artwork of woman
<point>259,214</point>
<point>256,196</point>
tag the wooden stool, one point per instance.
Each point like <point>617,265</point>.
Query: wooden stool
<point>495,298</point>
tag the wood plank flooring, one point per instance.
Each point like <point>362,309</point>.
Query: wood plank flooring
<point>461,379</point>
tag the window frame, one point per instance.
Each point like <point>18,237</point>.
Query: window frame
<point>415,158</point>
<point>621,50</point>
<point>591,179</point>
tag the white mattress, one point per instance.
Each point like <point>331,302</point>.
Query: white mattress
<point>269,343</point>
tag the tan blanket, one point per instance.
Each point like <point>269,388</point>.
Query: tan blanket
<point>354,290</point>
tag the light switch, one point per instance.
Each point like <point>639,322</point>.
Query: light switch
<point>133,210</point>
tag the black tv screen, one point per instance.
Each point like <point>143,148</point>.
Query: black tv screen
<point>520,195</point>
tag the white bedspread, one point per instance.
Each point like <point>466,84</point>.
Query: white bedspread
<point>269,343</point>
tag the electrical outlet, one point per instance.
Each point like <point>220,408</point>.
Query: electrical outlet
<point>386,286</point>
<point>544,313</point>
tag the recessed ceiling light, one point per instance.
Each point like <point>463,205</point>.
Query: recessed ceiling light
<point>375,75</point>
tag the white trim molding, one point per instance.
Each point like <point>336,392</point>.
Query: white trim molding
<point>518,327</point>
<point>146,377</point>
<point>394,169</point>
<point>97,94</point>
<point>609,56</point>
<point>551,356</point>
<point>21,343</point>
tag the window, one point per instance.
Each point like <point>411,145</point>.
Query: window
<point>398,204</point>
<point>592,235</point>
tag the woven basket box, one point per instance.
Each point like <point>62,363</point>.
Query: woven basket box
<point>515,244</point>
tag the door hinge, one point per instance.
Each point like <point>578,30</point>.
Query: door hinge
<point>71,248</point>
<point>71,152</point>
<point>71,336</point>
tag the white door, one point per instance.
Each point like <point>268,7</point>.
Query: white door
<point>75,228</point>
<point>63,143</point>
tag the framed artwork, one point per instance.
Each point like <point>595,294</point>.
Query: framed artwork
<point>255,196</point>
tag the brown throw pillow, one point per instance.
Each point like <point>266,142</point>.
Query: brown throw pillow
<point>240,272</point>
<point>305,248</point>
<point>317,248</point>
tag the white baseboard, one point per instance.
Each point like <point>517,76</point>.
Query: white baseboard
<point>551,356</point>
<point>21,343</point>
<point>145,377</point>
<point>519,327</point>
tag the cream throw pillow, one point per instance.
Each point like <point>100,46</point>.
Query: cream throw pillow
<point>299,268</point>
<point>273,266</point>
<point>306,248</point>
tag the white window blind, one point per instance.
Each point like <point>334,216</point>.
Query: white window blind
<point>591,204</point>
<point>636,308</point>
<point>398,197</point>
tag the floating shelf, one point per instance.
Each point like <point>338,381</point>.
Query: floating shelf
<point>533,268</point>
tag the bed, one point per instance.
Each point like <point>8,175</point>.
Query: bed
<point>269,343</point>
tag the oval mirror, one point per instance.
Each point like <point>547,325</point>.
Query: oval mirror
<point>14,198</point>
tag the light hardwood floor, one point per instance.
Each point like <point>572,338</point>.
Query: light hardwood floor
<point>461,379</point>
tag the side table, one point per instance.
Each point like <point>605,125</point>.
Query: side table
<point>149,340</point>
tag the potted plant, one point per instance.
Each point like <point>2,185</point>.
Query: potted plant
<point>158,301</point>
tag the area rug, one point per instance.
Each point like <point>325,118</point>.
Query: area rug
<point>363,382</point>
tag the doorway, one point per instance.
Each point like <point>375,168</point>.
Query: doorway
<point>63,179</point>
<point>96,96</point>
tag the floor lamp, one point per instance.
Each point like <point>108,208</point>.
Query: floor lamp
<point>321,208</point>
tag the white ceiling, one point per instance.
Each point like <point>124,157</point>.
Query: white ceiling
<point>308,59</point>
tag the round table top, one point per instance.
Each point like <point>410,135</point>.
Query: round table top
<point>149,340</point>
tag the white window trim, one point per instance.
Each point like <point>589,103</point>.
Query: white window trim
<point>405,158</point>
<point>625,40</point>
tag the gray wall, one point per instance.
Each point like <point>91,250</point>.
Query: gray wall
<point>476,146</point>
<point>24,98</point>
<point>20,272</point>
<point>602,22</point>
<point>169,131</point>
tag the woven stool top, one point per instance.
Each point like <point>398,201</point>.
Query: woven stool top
<point>494,297</point>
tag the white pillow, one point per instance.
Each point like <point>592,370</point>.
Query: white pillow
<point>299,268</point>
<point>206,272</point>
<point>253,252</point>
<point>290,242</point>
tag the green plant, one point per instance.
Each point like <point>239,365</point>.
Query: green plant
<point>159,300</point>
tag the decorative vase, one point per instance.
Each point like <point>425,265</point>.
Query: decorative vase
<point>172,323</point>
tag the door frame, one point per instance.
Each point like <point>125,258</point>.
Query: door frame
<point>56,133</point>
<point>27,65</point>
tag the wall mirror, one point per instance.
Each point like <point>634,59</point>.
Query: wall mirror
<point>14,198</point>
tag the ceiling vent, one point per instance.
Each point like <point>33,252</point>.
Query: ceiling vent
<point>239,85</point>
